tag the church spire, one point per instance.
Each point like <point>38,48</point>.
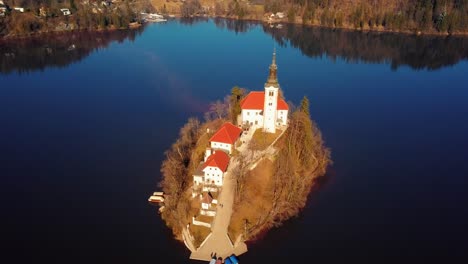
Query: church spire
<point>272,78</point>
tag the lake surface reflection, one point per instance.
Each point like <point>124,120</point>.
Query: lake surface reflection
<point>85,120</point>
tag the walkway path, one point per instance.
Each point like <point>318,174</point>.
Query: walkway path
<point>218,241</point>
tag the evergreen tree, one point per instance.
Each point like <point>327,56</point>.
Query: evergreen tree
<point>304,106</point>
<point>237,94</point>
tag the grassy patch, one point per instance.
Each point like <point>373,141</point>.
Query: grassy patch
<point>256,200</point>
<point>261,140</point>
<point>204,218</point>
<point>199,234</point>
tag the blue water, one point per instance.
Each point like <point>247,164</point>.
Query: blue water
<point>81,146</point>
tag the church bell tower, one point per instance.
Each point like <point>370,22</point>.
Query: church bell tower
<point>271,98</point>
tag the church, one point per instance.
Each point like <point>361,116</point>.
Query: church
<point>265,109</point>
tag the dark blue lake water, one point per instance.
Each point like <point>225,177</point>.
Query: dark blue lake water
<point>85,120</point>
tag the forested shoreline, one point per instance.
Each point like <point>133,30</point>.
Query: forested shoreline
<point>412,16</point>
<point>24,18</point>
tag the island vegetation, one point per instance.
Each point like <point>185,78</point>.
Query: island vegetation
<point>20,18</point>
<point>270,186</point>
<point>415,16</point>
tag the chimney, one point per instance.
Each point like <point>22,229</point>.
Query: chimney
<point>207,153</point>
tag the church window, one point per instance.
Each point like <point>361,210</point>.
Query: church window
<point>256,122</point>
<point>248,113</point>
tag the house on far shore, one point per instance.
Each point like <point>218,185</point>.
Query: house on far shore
<point>3,8</point>
<point>65,11</point>
<point>226,137</point>
<point>42,11</point>
<point>19,9</point>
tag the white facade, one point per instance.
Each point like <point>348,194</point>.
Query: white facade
<point>213,175</point>
<point>221,145</point>
<point>197,180</point>
<point>270,112</point>
<point>65,11</point>
<point>205,206</point>
<point>282,118</point>
<point>252,117</point>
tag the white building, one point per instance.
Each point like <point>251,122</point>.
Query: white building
<point>265,109</point>
<point>226,137</point>
<point>211,171</point>
<point>65,11</point>
<point>208,205</point>
<point>19,9</point>
<point>206,201</point>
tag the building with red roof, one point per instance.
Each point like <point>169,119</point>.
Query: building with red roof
<point>211,171</point>
<point>226,137</point>
<point>265,109</point>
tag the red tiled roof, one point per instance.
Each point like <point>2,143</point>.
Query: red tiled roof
<point>282,105</point>
<point>228,133</point>
<point>219,159</point>
<point>207,198</point>
<point>256,101</point>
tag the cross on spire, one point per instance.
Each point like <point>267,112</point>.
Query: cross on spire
<point>272,77</point>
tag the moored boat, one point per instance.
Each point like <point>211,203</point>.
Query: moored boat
<point>156,199</point>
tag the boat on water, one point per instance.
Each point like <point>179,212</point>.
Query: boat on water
<point>156,199</point>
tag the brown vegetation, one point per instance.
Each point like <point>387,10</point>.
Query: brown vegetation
<point>177,170</point>
<point>261,140</point>
<point>276,191</point>
<point>199,234</point>
<point>428,16</point>
<point>46,16</point>
<point>255,199</point>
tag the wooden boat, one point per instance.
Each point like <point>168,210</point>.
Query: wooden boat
<point>156,199</point>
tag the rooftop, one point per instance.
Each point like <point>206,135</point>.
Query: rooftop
<point>228,133</point>
<point>256,101</point>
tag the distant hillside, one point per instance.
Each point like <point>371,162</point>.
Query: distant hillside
<point>425,16</point>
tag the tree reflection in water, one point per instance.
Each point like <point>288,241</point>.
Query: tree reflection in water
<point>56,50</point>
<point>417,52</point>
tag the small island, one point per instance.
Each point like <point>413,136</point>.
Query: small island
<point>249,167</point>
